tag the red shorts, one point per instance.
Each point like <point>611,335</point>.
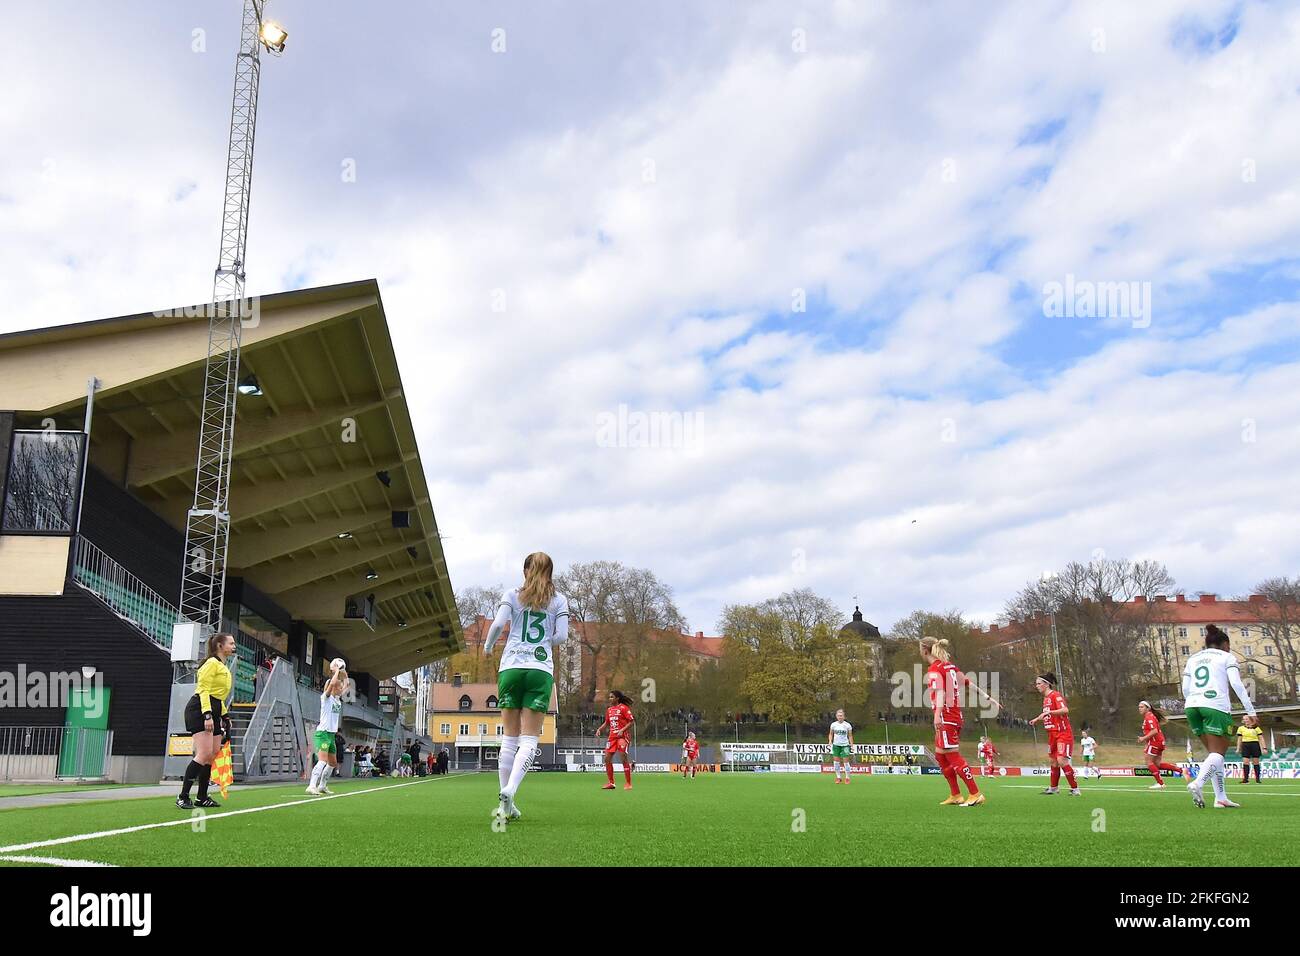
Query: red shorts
<point>616,745</point>
<point>692,756</point>
<point>1058,746</point>
<point>948,737</point>
<point>1155,748</point>
<point>988,761</point>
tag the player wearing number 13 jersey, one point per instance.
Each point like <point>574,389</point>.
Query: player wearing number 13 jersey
<point>539,619</point>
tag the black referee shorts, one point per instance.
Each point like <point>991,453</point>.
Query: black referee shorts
<point>194,716</point>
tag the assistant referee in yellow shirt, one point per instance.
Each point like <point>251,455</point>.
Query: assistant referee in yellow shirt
<point>1249,743</point>
<point>206,720</point>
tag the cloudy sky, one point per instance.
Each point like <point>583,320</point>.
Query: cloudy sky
<point>757,295</point>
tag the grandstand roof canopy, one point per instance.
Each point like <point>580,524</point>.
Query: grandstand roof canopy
<point>308,450</point>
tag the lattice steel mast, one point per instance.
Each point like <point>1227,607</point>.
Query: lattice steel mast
<point>207,525</point>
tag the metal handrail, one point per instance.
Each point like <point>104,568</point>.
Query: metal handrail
<point>125,594</point>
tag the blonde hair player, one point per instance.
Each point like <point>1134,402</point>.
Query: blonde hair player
<point>840,737</point>
<point>944,681</point>
<point>326,737</point>
<point>538,616</point>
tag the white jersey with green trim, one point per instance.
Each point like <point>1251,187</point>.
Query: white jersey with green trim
<point>533,634</point>
<point>1089,746</point>
<point>1206,678</point>
<point>840,731</point>
<point>331,709</point>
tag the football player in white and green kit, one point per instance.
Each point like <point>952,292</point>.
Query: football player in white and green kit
<point>840,737</point>
<point>1206,678</point>
<point>327,728</point>
<point>538,619</point>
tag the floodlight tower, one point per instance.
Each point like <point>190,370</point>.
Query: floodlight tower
<point>207,525</point>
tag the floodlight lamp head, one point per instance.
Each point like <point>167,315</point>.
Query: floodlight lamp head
<point>272,36</point>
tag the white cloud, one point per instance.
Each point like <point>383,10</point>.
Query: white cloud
<point>886,172</point>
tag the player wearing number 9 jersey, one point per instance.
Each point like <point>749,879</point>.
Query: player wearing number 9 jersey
<point>539,619</point>
<point>1207,677</point>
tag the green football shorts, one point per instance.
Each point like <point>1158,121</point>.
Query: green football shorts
<point>519,687</point>
<point>324,740</point>
<point>1207,720</point>
<point>839,750</point>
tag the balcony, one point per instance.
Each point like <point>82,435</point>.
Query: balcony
<point>123,593</point>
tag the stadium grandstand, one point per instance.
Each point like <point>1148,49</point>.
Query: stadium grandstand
<point>334,548</point>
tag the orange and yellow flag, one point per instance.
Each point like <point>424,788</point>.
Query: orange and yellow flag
<point>223,769</point>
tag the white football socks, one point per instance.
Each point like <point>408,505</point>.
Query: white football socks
<point>318,774</point>
<point>1220,790</point>
<point>527,748</point>
<point>506,760</point>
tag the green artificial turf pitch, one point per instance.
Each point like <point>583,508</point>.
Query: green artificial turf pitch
<point>745,819</point>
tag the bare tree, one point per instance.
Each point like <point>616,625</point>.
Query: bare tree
<point>1100,631</point>
<point>619,609</point>
<point>1279,619</point>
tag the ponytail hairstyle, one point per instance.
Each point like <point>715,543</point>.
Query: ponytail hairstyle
<point>1215,637</point>
<point>619,696</point>
<point>215,642</point>
<point>1160,717</point>
<point>936,648</point>
<point>1049,679</point>
<point>538,590</point>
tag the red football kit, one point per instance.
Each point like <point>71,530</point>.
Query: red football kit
<point>943,681</point>
<point>619,718</point>
<point>1060,735</point>
<point>692,748</point>
<point>1156,745</point>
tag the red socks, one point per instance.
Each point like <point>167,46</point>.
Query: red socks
<point>949,772</point>
<point>1170,768</point>
<point>609,772</point>
<point>959,764</point>
<point>1056,775</point>
<point>627,771</point>
<point>1069,776</point>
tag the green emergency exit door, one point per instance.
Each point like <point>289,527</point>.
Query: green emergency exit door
<point>85,732</point>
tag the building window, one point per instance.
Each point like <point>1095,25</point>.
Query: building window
<point>1202,630</point>
<point>464,730</point>
<point>44,480</point>
<point>482,730</point>
<point>445,730</point>
<point>1268,651</point>
<point>1185,649</point>
<point>1162,632</point>
<point>1182,632</point>
<point>1250,650</point>
<point>1245,632</point>
<point>465,703</point>
<point>492,702</point>
<point>499,728</point>
<point>1250,668</point>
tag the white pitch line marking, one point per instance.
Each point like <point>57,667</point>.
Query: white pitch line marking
<point>1168,788</point>
<point>51,861</point>
<point>188,821</point>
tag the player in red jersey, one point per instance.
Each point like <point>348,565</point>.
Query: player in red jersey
<point>1060,735</point>
<point>690,753</point>
<point>944,681</point>
<point>618,718</point>
<point>989,753</point>
<point>1154,740</point>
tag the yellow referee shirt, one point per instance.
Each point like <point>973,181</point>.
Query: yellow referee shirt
<point>1250,735</point>
<point>214,680</point>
